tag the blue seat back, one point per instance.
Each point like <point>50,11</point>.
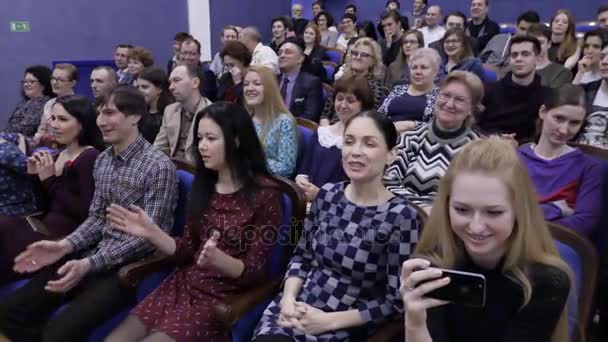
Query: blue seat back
<point>329,71</point>
<point>489,75</point>
<point>304,146</point>
<point>571,257</point>
<point>333,56</point>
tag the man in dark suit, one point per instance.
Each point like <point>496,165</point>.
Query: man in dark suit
<point>302,92</point>
<point>190,54</point>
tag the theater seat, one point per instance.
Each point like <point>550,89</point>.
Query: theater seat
<point>330,70</point>
<point>334,55</point>
<point>489,75</point>
<point>304,145</point>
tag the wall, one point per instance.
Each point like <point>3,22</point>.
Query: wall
<point>77,29</point>
<point>502,11</point>
<point>243,13</point>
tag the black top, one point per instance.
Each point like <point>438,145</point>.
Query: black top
<point>501,319</point>
<point>483,32</point>
<point>150,126</point>
<point>390,54</point>
<point>511,108</point>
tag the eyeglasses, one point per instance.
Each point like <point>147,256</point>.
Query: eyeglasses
<point>355,53</point>
<point>189,53</point>
<point>30,82</point>
<point>458,100</point>
<point>410,42</point>
<point>452,41</point>
<point>57,79</point>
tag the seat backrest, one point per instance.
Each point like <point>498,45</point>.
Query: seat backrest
<point>184,184</point>
<point>304,145</point>
<point>334,55</point>
<point>313,126</point>
<point>329,71</point>
<point>583,259</point>
<point>489,75</point>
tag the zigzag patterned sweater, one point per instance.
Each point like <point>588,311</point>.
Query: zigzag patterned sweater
<point>422,159</point>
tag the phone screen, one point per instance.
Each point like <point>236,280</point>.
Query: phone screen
<point>465,288</point>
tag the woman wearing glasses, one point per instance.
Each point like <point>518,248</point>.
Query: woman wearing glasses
<point>424,154</point>
<point>413,104</point>
<point>36,91</point>
<point>63,81</point>
<point>399,70</point>
<point>459,53</point>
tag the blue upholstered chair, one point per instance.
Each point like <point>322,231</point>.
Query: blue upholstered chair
<point>330,70</point>
<point>489,75</point>
<point>334,55</point>
<point>306,132</point>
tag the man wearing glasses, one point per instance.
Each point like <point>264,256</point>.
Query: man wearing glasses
<point>190,54</point>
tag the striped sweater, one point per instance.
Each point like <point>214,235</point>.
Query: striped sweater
<point>422,159</point>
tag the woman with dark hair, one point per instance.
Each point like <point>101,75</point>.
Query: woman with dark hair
<point>342,281</point>
<point>460,53</point>
<point>153,83</point>
<point>567,180</point>
<point>322,164</point>
<point>589,63</point>
<point>368,30</point>
<point>236,59</point>
<point>36,91</point>
<point>329,34</point>
<point>234,214</point>
<point>67,181</point>
<point>399,71</point>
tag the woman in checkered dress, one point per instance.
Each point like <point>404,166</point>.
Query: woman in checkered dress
<point>342,282</point>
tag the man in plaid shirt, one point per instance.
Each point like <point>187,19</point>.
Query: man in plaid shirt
<point>82,268</point>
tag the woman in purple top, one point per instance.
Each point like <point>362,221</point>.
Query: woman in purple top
<point>67,181</point>
<point>567,181</point>
<point>323,164</point>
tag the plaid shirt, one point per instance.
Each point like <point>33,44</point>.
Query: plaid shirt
<point>140,175</point>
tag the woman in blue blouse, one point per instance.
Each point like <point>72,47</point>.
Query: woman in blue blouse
<point>413,104</point>
<point>342,282</point>
<point>460,53</point>
<point>323,164</point>
<point>275,126</point>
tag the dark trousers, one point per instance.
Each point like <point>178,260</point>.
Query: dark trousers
<point>24,315</point>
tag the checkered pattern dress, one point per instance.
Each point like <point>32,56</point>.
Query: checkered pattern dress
<point>349,257</point>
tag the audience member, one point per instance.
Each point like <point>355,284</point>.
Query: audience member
<point>350,9</point>
<point>67,181</point>
<point>595,132</point>
<point>279,29</point>
<point>229,33</point>
<point>176,132</point>
<point>602,16</point>
<point>364,295</point>
<point>589,63</point>
<point>455,20</point>
<point>424,154</point>
<point>63,81</point>
<point>349,29</point>
<point>496,52</point>
<point>317,7</point>
<point>35,92</point>
<point>121,60</point>
<point>485,221</point>
<point>432,31</point>
<point>153,84</point>
<point>190,54</point>
<point>236,59</point>
<point>103,81</point>
<point>481,26</point>
<point>416,16</point>
<point>367,29</point>
<point>323,163</point>
<point>139,59</point>
<point>260,54</point>
<point>392,5</point>
<point>329,38</point>
<point>564,47</point>
<point>567,180</point>
<point>275,126</point>
<point>314,53</point>
<point>232,195</point>
<point>393,36</point>
<point>301,91</point>
<point>512,104</point>
<point>82,268</point>
<point>552,75</point>
<point>460,54</point>
<point>412,104</point>
<point>178,39</point>
<point>299,23</point>
<point>364,60</point>
<point>399,70</point>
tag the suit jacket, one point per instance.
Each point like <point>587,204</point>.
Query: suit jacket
<point>168,135</point>
<point>208,85</point>
<point>307,97</point>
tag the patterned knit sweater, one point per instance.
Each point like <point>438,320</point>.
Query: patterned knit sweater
<point>422,159</point>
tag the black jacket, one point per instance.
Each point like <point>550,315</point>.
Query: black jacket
<point>306,97</point>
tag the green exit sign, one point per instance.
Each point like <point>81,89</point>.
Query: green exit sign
<point>20,26</point>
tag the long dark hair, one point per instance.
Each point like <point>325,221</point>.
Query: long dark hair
<point>382,122</point>
<point>243,150</point>
<point>43,74</point>
<point>82,110</point>
<point>159,79</point>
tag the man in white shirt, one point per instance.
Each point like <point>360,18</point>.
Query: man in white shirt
<point>260,54</point>
<point>432,32</point>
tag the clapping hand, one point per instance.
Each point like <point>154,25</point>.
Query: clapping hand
<point>135,221</point>
<point>72,271</point>
<point>38,255</point>
<point>41,164</point>
<point>210,252</point>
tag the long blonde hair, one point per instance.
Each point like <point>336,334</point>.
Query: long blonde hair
<point>530,242</point>
<point>377,70</point>
<point>272,104</point>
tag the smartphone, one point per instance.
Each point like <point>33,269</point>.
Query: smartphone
<point>468,289</point>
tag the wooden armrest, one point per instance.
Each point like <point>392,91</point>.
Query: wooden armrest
<point>388,331</point>
<point>235,307</point>
<point>133,273</point>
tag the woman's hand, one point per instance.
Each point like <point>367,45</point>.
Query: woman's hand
<point>403,126</point>
<point>310,189</point>
<point>237,74</point>
<point>41,164</point>
<point>584,64</point>
<point>413,272</point>
<point>134,222</point>
<point>312,320</point>
<point>288,315</point>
